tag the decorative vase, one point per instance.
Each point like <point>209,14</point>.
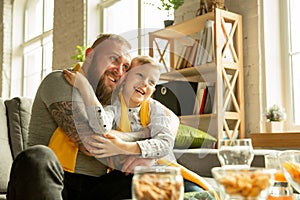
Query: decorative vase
<point>274,127</point>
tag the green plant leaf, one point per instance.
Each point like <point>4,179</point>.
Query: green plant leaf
<point>80,55</point>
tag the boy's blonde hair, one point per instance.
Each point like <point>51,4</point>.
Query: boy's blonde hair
<point>142,60</point>
<point>137,61</point>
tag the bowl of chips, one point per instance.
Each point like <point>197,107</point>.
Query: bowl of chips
<point>244,183</point>
<point>290,164</point>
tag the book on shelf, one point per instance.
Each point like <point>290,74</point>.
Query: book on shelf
<point>201,111</point>
<point>206,45</point>
<point>186,57</point>
<point>210,39</point>
<point>201,45</point>
<point>180,57</point>
<point>205,51</point>
<point>208,48</point>
<point>193,53</point>
<point>210,99</point>
<point>200,97</point>
<point>183,57</point>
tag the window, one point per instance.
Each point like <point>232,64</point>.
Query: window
<point>294,57</point>
<point>35,47</point>
<point>133,20</point>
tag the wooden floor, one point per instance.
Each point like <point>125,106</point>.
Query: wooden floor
<point>276,140</point>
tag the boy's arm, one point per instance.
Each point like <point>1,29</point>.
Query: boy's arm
<point>79,81</point>
<point>100,120</point>
<point>132,136</point>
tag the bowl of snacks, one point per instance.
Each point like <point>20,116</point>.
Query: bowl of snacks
<point>290,164</point>
<point>244,183</point>
<point>157,182</point>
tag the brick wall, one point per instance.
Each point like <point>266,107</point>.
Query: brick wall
<point>68,30</point>
<point>5,46</point>
<point>252,60</point>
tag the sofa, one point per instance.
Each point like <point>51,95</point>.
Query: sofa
<point>14,121</point>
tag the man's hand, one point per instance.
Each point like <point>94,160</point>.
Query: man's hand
<point>133,161</point>
<point>83,145</point>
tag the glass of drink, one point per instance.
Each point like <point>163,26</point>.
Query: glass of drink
<point>235,153</point>
<point>272,162</point>
<point>281,189</point>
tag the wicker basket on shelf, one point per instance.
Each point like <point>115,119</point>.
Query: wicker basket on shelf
<point>209,5</point>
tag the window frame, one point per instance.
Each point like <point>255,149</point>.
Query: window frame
<point>18,86</point>
<point>140,46</point>
<point>287,66</point>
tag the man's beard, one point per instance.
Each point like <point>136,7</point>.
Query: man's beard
<point>103,92</point>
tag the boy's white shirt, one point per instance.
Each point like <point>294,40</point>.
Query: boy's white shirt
<point>103,119</point>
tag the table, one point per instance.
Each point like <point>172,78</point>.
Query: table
<point>288,140</point>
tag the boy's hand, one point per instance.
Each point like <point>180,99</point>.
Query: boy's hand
<point>76,79</point>
<point>106,146</point>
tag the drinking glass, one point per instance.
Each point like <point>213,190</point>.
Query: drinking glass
<point>281,188</point>
<point>235,153</point>
<point>290,164</point>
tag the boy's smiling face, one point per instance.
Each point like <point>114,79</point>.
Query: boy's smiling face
<point>140,84</point>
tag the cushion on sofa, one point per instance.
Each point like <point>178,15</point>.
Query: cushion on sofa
<point>188,137</point>
<point>5,153</point>
<point>18,113</point>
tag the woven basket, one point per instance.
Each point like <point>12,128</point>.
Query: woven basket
<point>209,5</point>
<point>212,4</point>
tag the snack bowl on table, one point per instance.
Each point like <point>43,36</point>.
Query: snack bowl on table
<point>157,182</point>
<point>244,183</point>
<point>290,164</point>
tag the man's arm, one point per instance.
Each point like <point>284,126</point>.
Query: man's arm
<point>72,119</point>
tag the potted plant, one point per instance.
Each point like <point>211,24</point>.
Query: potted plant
<point>275,117</point>
<point>80,55</point>
<point>170,6</point>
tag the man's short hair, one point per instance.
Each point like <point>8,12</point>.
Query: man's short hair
<point>113,37</point>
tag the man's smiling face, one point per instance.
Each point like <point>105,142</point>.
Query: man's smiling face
<point>111,60</point>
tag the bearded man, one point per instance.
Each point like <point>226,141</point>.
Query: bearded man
<point>36,172</point>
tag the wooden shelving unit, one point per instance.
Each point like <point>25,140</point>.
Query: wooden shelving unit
<point>222,121</point>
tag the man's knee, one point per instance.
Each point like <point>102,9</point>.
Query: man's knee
<point>36,169</point>
<point>37,157</point>
<point>37,153</point>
